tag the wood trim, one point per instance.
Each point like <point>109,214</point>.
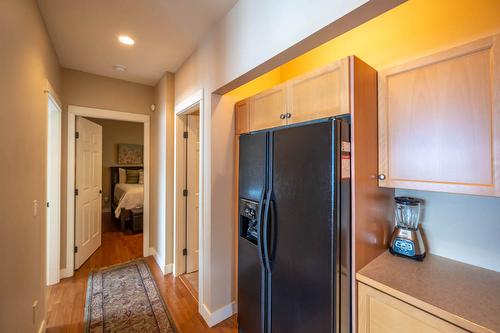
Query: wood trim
<point>449,317</point>
<point>242,117</point>
<point>372,206</point>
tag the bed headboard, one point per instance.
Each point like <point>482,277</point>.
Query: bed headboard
<point>115,178</point>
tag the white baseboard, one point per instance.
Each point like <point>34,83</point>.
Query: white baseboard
<point>166,269</point>
<point>65,273</point>
<point>213,318</point>
<point>42,327</point>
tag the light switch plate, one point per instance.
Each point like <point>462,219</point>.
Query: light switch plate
<point>35,208</point>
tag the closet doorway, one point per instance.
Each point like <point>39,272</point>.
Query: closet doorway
<point>187,215</point>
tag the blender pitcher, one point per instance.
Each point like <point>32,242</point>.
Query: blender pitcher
<point>406,239</point>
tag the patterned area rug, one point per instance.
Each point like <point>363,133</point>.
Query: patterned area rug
<point>124,298</point>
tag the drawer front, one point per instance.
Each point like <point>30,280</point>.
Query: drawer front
<point>381,313</point>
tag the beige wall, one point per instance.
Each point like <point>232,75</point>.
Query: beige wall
<point>247,42</point>
<point>27,59</point>
<point>84,89</point>
<point>161,235</point>
<point>115,132</point>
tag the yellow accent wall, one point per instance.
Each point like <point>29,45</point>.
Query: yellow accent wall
<point>263,82</point>
<point>413,29</point>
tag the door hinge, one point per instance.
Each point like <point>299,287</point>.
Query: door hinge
<point>77,135</point>
<point>185,193</point>
<point>185,135</point>
<point>76,191</point>
<point>76,249</point>
<point>184,252</point>
<point>48,204</point>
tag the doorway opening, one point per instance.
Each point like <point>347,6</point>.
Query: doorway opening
<point>188,214</point>
<point>108,187</point>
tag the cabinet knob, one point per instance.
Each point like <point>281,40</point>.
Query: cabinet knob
<point>288,115</point>
<point>381,177</point>
<point>282,116</point>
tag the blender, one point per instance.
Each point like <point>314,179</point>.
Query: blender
<point>406,239</point>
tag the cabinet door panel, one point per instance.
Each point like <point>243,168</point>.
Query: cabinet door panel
<point>266,109</point>
<point>438,122</point>
<point>241,117</point>
<point>381,313</point>
<point>323,93</point>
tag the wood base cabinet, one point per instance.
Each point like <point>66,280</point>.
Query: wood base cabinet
<point>439,121</point>
<point>381,313</point>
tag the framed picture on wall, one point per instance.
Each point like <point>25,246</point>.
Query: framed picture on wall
<point>130,154</point>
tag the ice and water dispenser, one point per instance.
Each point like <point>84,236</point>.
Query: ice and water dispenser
<point>248,220</point>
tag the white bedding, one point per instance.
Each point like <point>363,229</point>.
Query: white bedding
<point>128,196</point>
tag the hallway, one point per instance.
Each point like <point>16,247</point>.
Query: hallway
<point>66,300</point>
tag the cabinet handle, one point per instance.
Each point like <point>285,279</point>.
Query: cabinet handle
<point>282,116</point>
<point>289,115</point>
<point>381,177</point>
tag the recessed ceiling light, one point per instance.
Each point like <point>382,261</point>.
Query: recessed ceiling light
<point>120,68</point>
<point>124,39</point>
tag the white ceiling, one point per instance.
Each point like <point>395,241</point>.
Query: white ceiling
<point>166,32</point>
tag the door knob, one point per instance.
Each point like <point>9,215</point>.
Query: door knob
<point>381,177</point>
<point>282,116</point>
<point>289,115</point>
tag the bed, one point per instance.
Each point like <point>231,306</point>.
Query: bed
<point>125,197</point>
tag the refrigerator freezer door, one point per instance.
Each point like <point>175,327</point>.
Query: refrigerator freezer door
<point>252,166</point>
<point>251,273</point>
<point>301,253</point>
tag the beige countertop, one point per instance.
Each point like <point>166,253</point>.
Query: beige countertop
<point>465,295</point>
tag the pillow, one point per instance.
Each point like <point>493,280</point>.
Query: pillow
<point>141,176</point>
<point>132,176</point>
<point>122,176</point>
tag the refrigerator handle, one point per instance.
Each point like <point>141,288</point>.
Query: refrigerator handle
<point>259,224</point>
<point>266,231</point>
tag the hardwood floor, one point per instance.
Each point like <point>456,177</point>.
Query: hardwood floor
<point>191,281</point>
<point>66,300</point>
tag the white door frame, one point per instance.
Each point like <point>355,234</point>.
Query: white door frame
<point>53,230</point>
<point>74,111</point>
<point>183,108</point>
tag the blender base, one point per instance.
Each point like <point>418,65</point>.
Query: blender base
<point>418,257</point>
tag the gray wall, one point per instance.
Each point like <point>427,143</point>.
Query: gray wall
<point>461,227</point>
<point>115,132</point>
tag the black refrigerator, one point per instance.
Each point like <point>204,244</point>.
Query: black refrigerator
<point>294,229</point>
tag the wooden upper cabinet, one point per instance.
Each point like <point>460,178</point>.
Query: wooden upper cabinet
<point>439,121</point>
<point>241,117</point>
<point>320,94</point>
<point>267,109</point>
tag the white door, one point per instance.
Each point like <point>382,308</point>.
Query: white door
<point>193,162</point>
<point>88,180</point>
<point>53,191</point>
